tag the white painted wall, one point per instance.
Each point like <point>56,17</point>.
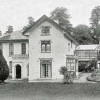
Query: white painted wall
<point>59,50</point>
<point>17,50</point>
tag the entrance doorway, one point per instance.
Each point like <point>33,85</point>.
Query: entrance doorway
<point>46,67</point>
<point>18,71</point>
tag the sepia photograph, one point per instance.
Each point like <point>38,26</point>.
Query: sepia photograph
<point>49,49</point>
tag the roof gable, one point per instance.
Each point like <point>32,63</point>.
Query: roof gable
<point>45,18</point>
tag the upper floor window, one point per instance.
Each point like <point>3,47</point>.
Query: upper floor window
<point>23,48</point>
<point>68,46</point>
<point>45,30</point>
<point>45,46</point>
<point>11,49</point>
<point>1,46</point>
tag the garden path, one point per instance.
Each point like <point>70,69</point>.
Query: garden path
<point>83,78</point>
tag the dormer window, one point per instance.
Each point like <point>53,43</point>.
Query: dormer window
<point>45,30</point>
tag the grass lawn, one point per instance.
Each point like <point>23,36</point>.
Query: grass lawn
<point>50,91</point>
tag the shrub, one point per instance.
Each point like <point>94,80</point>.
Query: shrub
<point>82,66</point>
<point>92,66</point>
<point>88,66</point>
<point>95,76</point>
<point>4,69</point>
<point>67,76</point>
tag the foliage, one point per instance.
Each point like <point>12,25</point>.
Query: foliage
<point>88,67</point>
<point>9,29</point>
<point>63,70</point>
<point>67,76</point>
<point>95,18</point>
<point>82,66</point>
<point>4,70</point>
<point>81,34</point>
<point>30,23</point>
<point>98,56</point>
<point>92,66</point>
<point>93,63</point>
<point>95,23</point>
<point>95,76</point>
<point>61,15</point>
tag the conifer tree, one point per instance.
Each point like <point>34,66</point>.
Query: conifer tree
<point>4,69</point>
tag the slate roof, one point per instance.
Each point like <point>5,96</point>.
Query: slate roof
<point>14,36</point>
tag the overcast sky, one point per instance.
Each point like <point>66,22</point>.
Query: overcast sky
<point>16,12</point>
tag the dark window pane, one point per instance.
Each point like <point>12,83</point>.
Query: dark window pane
<point>23,48</point>
<point>45,46</point>
<point>45,30</point>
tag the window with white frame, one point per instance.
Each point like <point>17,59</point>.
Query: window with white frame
<point>72,67</point>
<point>45,30</point>
<point>11,49</point>
<point>45,46</point>
<point>23,48</point>
<point>68,46</point>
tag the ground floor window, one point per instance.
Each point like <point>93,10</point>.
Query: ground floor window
<point>45,68</point>
<point>10,67</point>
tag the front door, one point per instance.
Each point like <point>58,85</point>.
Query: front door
<point>18,71</point>
<point>45,68</point>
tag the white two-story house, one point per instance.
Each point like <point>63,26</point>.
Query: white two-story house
<point>38,52</point>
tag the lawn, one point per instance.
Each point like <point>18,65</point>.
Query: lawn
<point>50,91</point>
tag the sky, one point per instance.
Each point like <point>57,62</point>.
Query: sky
<point>16,12</point>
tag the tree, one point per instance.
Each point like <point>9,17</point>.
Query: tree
<point>61,15</point>
<point>9,29</point>
<point>31,21</point>
<point>95,23</point>
<point>81,34</point>
<point>4,69</point>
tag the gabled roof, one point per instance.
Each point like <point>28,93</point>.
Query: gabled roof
<point>87,47</point>
<point>14,36</point>
<point>45,18</point>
